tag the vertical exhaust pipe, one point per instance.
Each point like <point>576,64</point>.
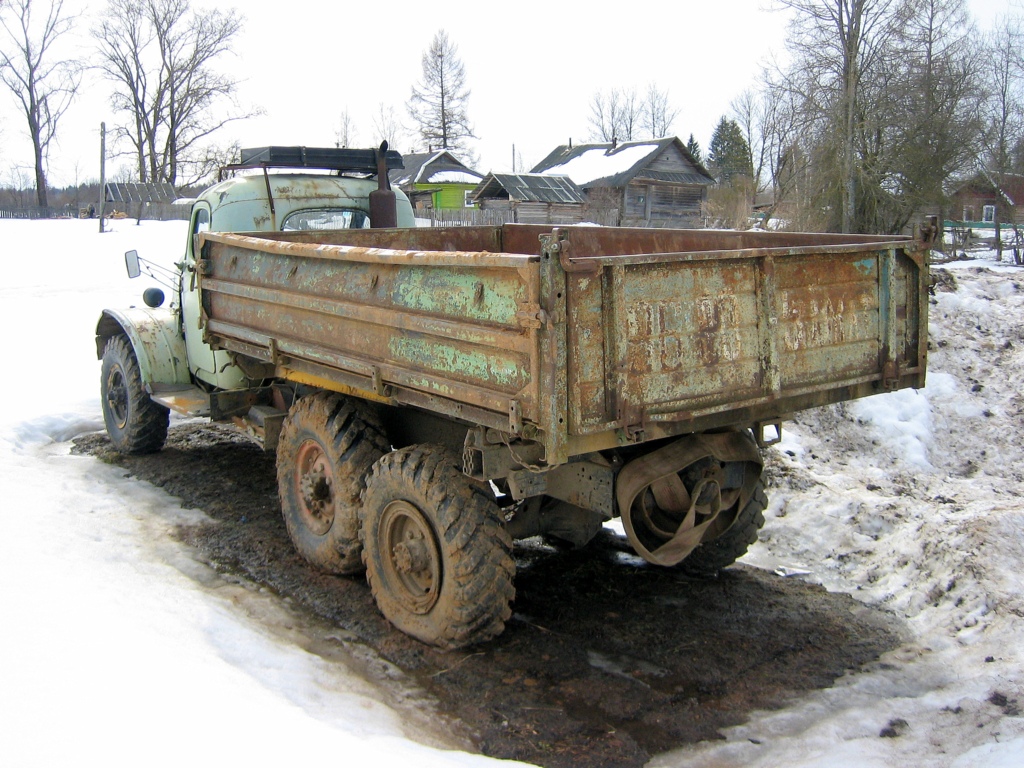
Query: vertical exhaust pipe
<point>383,203</point>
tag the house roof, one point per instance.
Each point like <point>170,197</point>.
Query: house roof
<point>1012,187</point>
<point>529,187</point>
<point>441,167</point>
<point>139,192</point>
<point>615,165</point>
<point>1009,186</point>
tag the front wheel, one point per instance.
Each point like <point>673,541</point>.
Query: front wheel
<point>437,555</point>
<point>134,422</point>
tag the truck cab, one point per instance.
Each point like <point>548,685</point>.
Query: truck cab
<point>271,189</point>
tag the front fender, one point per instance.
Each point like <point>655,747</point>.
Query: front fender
<point>156,338</point>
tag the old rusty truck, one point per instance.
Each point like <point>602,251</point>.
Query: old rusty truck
<point>435,393</point>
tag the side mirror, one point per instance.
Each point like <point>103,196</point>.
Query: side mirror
<point>131,262</point>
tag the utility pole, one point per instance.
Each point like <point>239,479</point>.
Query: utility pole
<point>103,170</point>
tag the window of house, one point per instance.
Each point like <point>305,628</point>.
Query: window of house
<point>988,213</point>
<point>468,198</point>
<point>968,213</point>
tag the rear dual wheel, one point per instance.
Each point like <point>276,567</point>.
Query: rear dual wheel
<point>438,558</point>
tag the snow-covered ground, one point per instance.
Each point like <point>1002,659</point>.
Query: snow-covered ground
<point>116,646</point>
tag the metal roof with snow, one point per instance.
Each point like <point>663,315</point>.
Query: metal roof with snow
<point>530,188</point>
<point>440,167</point>
<point>614,164</point>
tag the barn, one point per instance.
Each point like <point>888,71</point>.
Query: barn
<point>655,183</point>
<point>530,198</point>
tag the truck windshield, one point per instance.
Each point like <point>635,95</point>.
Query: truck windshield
<point>331,218</point>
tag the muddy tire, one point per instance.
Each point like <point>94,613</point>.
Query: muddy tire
<point>327,447</point>
<point>437,555</point>
<point>134,422</point>
<point>712,556</point>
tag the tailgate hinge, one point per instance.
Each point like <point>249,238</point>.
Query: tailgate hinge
<point>377,382</point>
<point>530,315</point>
<point>561,247</point>
<point>515,417</point>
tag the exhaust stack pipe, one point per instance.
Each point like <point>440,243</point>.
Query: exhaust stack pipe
<point>383,204</point>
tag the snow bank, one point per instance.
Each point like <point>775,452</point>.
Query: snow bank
<point>911,501</point>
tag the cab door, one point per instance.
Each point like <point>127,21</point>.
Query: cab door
<point>209,366</point>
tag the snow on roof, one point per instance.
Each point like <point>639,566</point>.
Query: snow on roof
<point>600,162</point>
<point>440,167</point>
<point>453,177</point>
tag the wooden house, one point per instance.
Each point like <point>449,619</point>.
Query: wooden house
<point>655,183</point>
<point>436,180</point>
<point>531,198</point>
<point>987,199</point>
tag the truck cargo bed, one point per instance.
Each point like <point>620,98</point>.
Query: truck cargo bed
<point>581,338</point>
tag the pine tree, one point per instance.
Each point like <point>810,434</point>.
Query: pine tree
<point>729,153</point>
<point>693,147</point>
<point>438,102</point>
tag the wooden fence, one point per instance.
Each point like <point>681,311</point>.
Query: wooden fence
<point>34,212</point>
<point>467,217</point>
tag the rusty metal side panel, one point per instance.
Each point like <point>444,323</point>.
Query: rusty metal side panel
<point>674,337</point>
<point>471,239</point>
<point>644,336</point>
<point>456,328</point>
<point>619,241</point>
<point>508,238</point>
<point>828,317</point>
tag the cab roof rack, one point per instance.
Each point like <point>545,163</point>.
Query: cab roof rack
<point>320,158</point>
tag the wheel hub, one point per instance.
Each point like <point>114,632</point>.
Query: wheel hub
<point>117,396</point>
<point>412,558</point>
<point>316,492</point>
<point>411,555</point>
<point>314,478</point>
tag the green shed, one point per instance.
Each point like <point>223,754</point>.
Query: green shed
<point>436,181</point>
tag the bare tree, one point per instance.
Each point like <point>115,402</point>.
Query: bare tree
<point>615,115</point>
<point>387,126</point>
<point>17,182</point>
<point>345,135</point>
<point>161,56</point>
<point>624,115</point>
<point>938,106</point>
<point>783,142</point>
<point>43,85</point>
<point>749,112</point>
<point>438,102</point>
<point>878,110</point>
<point>1004,106</point>
<point>835,43</point>
<point>658,114</point>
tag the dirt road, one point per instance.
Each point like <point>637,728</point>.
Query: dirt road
<point>606,661</point>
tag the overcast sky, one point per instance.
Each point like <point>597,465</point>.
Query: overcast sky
<point>533,68</point>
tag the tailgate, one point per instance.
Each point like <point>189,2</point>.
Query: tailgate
<point>698,339</point>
